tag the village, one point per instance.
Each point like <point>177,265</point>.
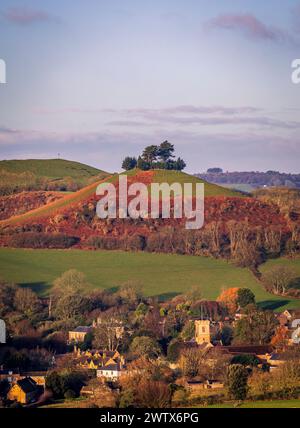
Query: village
<point>119,361</point>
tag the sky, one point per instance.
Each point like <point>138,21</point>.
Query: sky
<point>97,80</point>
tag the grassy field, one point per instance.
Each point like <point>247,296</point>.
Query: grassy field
<point>276,404</point>
<point>160,275</point>
<point>51,168</point>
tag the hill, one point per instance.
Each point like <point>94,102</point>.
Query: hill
<point>253,179</point>
<point>161,275</point>
<point>87,194</point>
<point>51,168</point>
<point>45,175</point>
<point>244,229</point>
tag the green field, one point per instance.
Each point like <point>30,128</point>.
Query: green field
<point>51,168</point>
<point>276,404</point>
<point>160,275</point>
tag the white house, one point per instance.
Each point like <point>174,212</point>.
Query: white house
<point>111,372</point>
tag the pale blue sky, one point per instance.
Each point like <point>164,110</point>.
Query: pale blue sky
<point>96,80</point>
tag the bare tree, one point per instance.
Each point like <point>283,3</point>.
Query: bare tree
<point>278,279</point>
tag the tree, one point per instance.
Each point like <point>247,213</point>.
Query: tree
<point>131,293</point>
<point>153,394</point>
<point>245,297</point>
<point>165,151</point>
<point>214,171</point>
<point>226,335</point>
<point>67,295</point>
<point>142,164</point>
<point>191,360</point>
<point>129,163</point>
<point>256,328</point>
<point>150,154</point>
<point>108,333</point>
<point>229,298</point>
<point>245,360</point>
<point>144,345</point>
<point>237,381</point>
<point>26,301</point>
<point>7,293</point>
<point>180,164</point>
<point>278,279</point>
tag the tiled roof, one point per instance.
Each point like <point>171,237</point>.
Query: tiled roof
<point>27,385</point>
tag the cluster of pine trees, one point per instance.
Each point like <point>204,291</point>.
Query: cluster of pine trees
<point>155,157</point>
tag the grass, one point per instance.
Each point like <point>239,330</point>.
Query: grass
<point>83,194</point>
<point>161,275</point>
<point>276,404</point>
<point>181,177</point>
<point>51,168</point>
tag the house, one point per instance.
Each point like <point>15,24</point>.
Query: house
<point>78,334</point>
<point>111,372</point>
<point>24,391</point>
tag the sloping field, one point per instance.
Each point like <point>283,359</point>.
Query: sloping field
<point>160,274</point>
<point>88,192</point>
<point>51,168</point>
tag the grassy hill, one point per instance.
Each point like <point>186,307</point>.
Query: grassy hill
<point>135,175</point>
<point>51,168</point>
<point>160,275</point>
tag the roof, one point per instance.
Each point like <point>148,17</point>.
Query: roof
<point>27,385</point>
<point>247,349</point>
<point>81,329</point>
<point>111,367</point>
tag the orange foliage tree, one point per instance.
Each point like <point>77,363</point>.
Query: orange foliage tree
<point>228,298</point>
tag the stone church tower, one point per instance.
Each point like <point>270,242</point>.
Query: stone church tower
<point>202,331</point>
<point>2,332</point>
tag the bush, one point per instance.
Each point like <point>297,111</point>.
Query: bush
<point>70,394</point>
<point>42,240</point>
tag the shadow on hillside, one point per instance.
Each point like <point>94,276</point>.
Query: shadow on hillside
<point>295,283</point>
<point>273,304</point>
<point>166,296</point>
<point>40,288</point>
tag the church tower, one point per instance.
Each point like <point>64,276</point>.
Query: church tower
<point>202,331</point>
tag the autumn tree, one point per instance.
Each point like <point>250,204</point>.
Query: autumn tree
<point>229,298</point>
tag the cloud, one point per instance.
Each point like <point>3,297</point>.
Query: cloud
<point>249,25</point>
<point>25,15</point>
<point>198,115</point>
<point>185,109</point>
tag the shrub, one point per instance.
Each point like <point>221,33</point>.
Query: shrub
<point>42,240</point>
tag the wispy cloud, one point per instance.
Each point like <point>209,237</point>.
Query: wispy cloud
<point>250,26</point>
<point>199,115</point>
<point>25,15</point>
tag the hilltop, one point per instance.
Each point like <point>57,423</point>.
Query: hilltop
<point>45,175</point>
<point>51,168</point>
